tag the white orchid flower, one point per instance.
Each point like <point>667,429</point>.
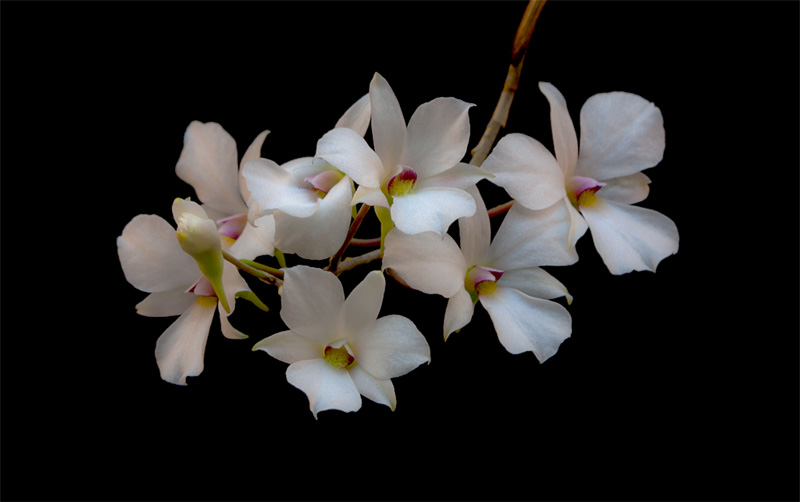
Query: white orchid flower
<point>309,198</point>
<point>621,135</point>
<point>209,163</point>
<point>337,348</point>
<point>153,261</point>
<point>504,276</point>
<point>415,170</point>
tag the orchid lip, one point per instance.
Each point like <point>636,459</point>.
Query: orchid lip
<point>202,287</point>
<point>232,226</point>
<point>403,182</point>
<point>323,182</point>
<point>581,190</point>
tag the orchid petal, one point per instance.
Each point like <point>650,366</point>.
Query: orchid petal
<point>227,328</point>
<point>577,224</point>
<point>535,282</point>
<point>621,134</point>
<point>326,387</point>
<point>427,262</point>
<point>255,240</point>
<point>348,152</point>
<point>437,136</point>
<point>357,116</point>
<point>431,209</point>
<point>320,235</point>
<point>369,196</point>
<point>388,124</point>
<point>391,347</point>
<point>630,237</point>
<point>460,309</point>
<point>475,232</point>
<point>626,189</point>
<point>362,306</point>
<point>524,323</point>
<point>565,141</point>
<point>526,170</point>
<point>181,348</point>
<point>166,303</point>
<point>151,258</point>
<point>252,152</point>
<point>272,187</point>
<point>379,391</point>
<point>529,238</point>
<point>312,302</point>
<point>460,176</point>
<point>208,162</point>
<point>289,347</point>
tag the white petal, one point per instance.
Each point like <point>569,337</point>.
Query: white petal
<point>255,240</point>
<point>565,141</point>
<point>459,312</point>
<point>357,116</point>
<point>252,152</point>
<point>529,238</point>
<point>151,258</point>
<point>181,348</point>
<point>431,209</point>
<point>388,124</point>
<point>320,235</point>
<point>427,262</point>
<point>364,303</point>
<point>208,162</point>
<point>391,347</point>
<point>578,225</point>
<point>475,232</point>
<point>461,176</point>
<point>379,391</point>
<point>348,152</point>
<point>232,283</point>
<point>312,303</point>
<point>626,189</point>
<point>369,196</point>
<point>326,387</point>
<point>437,136</point>
<point>535,282</point>
<point>166,303</point>
<point>289,347</point>
<point>630,237</point>
<point>227,328</point>
<point>272,187</point>
<point>524,323</point>
<point>621,134</point>
<point>526,170</point>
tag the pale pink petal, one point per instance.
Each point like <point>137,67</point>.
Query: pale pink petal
<point>348,152</point>
<point>357,116</point>
<point>565,141</point>
<point>166,303</point>
<point>273,188</point>
<point>252,152</point>
<point>390,348</point>
<point>626,189</point>
<point>312,303</point>
<point>363,304</point>
<point>379,391</point>
<point>388,125</point>
<point>320,235</point>
<point>209,162</point>
<point>526,170</point>
<point>431,209</point>
<point>289,347</point>
<point>151,258</point>
<point>326,387</point>
<point>524,323</point>
<point>427,262</point>
<point>459,312</point>
<point>181,348</point>
<point>621,134</point>
<point>227,328</point>
<point>437,136</point>
<point>629,237</point>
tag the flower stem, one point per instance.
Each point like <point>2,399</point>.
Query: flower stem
<point>366,243</point>
<point>336,258</point>
<point>353,262</point>
<point>263,272</point>
<point>500,115</point>
<point>502,208</point>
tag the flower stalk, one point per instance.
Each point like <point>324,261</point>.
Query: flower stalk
<point>336,258</point>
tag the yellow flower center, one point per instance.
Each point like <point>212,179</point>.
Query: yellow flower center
<point>486,287</point>
<point>339,358</point>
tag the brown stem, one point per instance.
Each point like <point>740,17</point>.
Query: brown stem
<point>355,261</point>
<point>366,243</point>
<point>336,258</point>
<point>500,115</point>
<point>502,208</point>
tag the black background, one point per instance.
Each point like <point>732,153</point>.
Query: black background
<point>677,385</point>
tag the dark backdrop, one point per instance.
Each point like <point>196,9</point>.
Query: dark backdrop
<point>677,385</point>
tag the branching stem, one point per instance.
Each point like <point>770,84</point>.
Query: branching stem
<point>263,272</point>
<point>336,258</point>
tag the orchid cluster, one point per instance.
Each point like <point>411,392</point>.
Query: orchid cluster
<point>413,177</point>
